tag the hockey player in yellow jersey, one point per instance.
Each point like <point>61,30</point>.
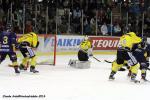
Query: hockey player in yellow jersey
<point>124,54</point>
<point>26,44</point>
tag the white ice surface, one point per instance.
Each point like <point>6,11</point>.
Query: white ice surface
<point>62,82</point>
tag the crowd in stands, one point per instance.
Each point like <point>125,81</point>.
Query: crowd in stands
<point>91,17</point>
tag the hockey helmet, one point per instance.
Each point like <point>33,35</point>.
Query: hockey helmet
<point>32,33</point>
<point>86,37</point>
<point>132,34</point>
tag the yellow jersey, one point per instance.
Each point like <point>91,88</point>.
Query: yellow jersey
<point>30,38</point>
<point>85,45</point>
<point>128,40</point>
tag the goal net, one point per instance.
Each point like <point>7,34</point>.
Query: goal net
<point>46,52</point>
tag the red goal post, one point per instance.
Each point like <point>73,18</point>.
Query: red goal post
<point>46,52</point>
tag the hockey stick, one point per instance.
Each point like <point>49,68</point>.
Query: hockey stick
<point>108,61</point>
<point>10,65</point>
<point>27,65</point>
<point>96,59</point>
<point>148,68</point>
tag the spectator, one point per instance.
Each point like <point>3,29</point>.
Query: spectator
<point>71,20</point>
<point>76,13</point>
<point>104,29</point>
<point>76,19</point>
<point>92,25</point>
<point>117,30</point>
<point>87,28</point>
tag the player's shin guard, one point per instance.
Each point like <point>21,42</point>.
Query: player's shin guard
<point>134,71</point>
<point>25,60</point>
<point>115,66</point>
<point>33,61</point>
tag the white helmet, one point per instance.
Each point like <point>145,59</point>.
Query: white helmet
<point>86,37</point>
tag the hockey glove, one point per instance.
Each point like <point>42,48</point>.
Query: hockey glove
<point>143,65</point>
<point>90,55</point>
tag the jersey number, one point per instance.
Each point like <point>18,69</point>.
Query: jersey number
<point>5,40</point>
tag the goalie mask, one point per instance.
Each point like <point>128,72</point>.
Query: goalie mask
<point>86,38</point>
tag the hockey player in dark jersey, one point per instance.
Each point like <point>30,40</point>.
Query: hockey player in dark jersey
<point>7,46</point>
<point>142,53</point>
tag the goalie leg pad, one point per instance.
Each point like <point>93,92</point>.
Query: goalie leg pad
<point>82,64</point>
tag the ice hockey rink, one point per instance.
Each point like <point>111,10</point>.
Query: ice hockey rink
<point>62,82</point>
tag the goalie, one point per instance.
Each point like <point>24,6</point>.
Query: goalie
<point>26,44</point>
<point>85,51</point>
